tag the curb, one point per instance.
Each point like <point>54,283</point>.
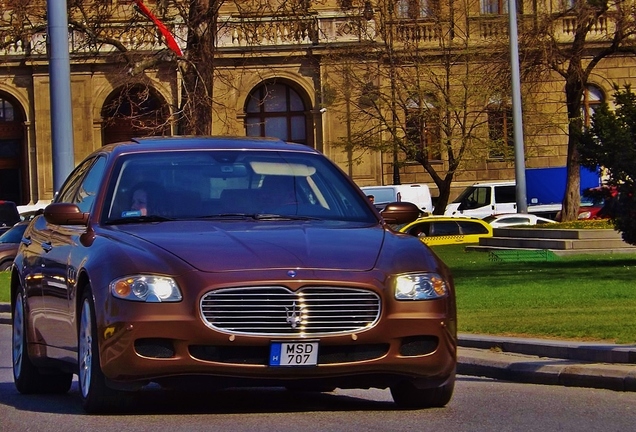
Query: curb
<point>5,313</point>
<point>569,350</point>
<point>548,371</point>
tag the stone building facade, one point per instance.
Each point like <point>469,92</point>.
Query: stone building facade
<point>270,82</point>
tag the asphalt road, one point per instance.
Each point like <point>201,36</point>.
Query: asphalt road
<point>479,404</point>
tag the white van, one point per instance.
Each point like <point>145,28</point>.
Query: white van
<point>484,199</point>
<point>489,198</point>
<point>416,193</point>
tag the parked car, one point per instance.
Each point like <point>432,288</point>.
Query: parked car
<point>516,219</point>
<point>9,242</point>
<point>166,260</point>
<point>9,215</point>
<point>444,230</point>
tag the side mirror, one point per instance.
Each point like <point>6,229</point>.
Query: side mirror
<point>65,214</point>
<point>400,213</point>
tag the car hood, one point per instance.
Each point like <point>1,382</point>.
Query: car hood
<point>267,245</point>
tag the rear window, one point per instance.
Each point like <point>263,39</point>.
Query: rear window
<point>381,196</point>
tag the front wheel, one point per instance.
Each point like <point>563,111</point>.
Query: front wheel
<point>406,395</point>
<point>96,396</point>
<point>27,378</point>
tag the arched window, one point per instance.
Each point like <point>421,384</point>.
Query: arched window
<point>592,98</point>
<point>276,110</point>
<point>14,184</point>
<point>423,127</point>
<point>500,129</point>
<point>6,111</point>
<point>132,111</point>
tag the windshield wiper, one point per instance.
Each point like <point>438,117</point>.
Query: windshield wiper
<point>139,219</point>
<point>271,216</point>
<point>257,216</point>
<point>228,216</point>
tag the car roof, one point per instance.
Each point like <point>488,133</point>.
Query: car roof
<point>495,183</point>
<point>449,218</point>
<point>203,143</point>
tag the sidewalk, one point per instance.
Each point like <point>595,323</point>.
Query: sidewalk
<point>537,361</point>
<point>551,362</point>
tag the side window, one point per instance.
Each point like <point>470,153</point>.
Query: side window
<point>69,188</point>
<point>472,228</point>
<point>81,186</point>
<point>480,197</point>
<point>445,228</point>
<point>421,230</point>
<point>89,187</point>
<point>505,194</point>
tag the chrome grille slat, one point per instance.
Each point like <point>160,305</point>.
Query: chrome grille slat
<point>272,310</point>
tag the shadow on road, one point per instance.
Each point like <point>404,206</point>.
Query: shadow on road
<point>230,401</point>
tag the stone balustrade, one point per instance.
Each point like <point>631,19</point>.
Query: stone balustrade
<point>320,29</point>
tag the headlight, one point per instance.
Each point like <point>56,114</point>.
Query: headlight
<point>146,288</point>
<point>420,286</point>
<point>585,215</point>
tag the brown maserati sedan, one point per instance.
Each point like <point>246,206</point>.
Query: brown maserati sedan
<point>217,262</point>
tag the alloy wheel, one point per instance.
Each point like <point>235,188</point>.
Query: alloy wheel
<point>85,349</point>
<point>18,336</point>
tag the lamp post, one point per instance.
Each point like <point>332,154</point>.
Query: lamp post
<point>394,118</point>
<point>60,92</point>
<point>517,119</point>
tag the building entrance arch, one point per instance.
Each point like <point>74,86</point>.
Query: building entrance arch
<point>134,110</point>
<point>13,155</point>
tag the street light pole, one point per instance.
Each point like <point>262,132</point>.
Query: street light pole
<point>392,66</point>
<point>60,92</point>
<point>517,119</point>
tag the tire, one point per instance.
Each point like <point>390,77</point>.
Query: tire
<point>96,396</point>
<point>27,378</point>
<point>407,396</point>
<point>5,265</point>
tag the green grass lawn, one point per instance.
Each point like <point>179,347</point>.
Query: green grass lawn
<point>583,297</point>
<point>5,277</point>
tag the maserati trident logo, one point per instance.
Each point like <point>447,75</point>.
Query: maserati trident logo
<point>294,315</point>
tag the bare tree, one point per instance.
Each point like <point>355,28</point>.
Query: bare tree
<point>418,88</point>
<point>573,42</point>
<point>120,33</point>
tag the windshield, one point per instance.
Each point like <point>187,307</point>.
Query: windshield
<point>226,185</point>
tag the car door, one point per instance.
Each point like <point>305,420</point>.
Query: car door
<point>477,202</point>
<point>58,272</point>
<point>505,200</point>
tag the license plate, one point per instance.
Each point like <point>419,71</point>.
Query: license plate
<point>293,354</point>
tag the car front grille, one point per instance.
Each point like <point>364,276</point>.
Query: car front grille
<point>274,310</point>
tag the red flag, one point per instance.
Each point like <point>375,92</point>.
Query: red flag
<point>172,44</point>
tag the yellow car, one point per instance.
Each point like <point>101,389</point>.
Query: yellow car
<point>444,230</point>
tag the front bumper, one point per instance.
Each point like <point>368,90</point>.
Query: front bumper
<point>404,344</point>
